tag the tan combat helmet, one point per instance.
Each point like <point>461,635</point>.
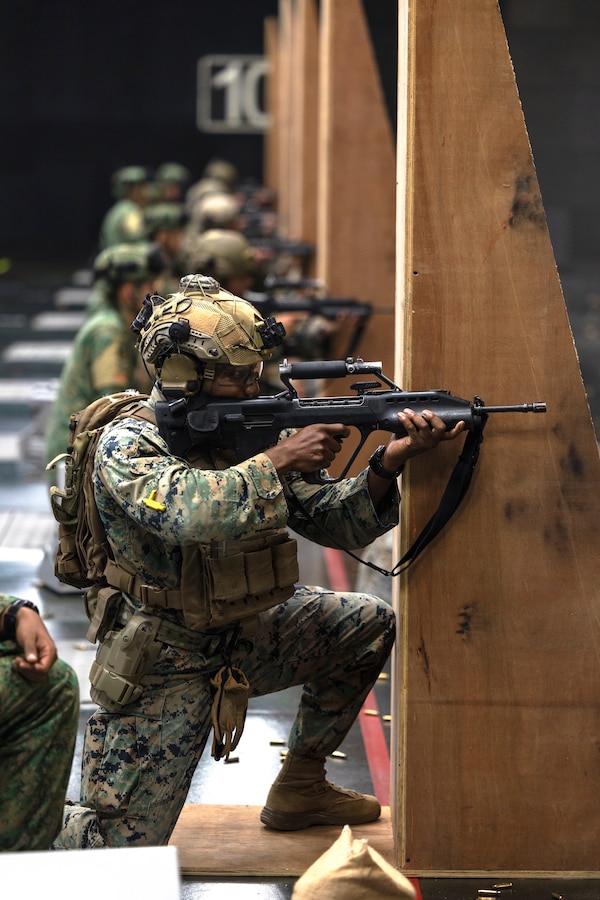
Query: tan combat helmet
<point>188,334</point>
<point>215,210</point>
<point>223,170</point>
<point>221,253</point>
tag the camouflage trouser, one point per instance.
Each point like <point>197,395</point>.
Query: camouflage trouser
<point>138,765</point>
<point>38,728</point>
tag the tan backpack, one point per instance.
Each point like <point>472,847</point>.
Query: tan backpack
<point>83,549</point>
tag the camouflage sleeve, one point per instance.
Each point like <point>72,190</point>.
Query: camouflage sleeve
<point>113,368</point>
<point>5,601</point>
<point>343,510</point>
<point>164,496</point>
<point>113,359</point>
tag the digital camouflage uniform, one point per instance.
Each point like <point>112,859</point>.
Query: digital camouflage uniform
<point>103,360</point>
<point>138,764</point>
<point>38,727</point>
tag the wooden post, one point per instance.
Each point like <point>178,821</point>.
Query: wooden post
<point>272,135</point>
<point>497,716</point>
<point>304,102</point>
<point>284,115</point>
<point>356,203</point>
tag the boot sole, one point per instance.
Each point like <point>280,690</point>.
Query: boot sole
<point>280,821</point>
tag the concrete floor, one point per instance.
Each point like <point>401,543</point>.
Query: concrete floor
<point>27,527</point>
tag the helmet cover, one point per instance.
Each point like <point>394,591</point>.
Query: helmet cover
<point>208,323</point>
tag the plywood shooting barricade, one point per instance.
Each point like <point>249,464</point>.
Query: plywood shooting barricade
<point>496,729</point>
<point>497,737</point>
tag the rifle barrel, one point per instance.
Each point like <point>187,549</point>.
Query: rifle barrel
<point>523,407</point>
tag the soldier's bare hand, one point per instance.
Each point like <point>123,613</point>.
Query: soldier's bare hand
<point>308,449</point>
<point>39,650</point>
<point>423,432</point>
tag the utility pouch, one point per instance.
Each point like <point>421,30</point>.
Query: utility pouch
<point>123,658</point>
<point>285,563</point>
<point>240,585</point>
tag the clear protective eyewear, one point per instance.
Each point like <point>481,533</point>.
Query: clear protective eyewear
<point>239,376</point>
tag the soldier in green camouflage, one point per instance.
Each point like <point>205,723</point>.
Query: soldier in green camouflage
<point>165,224</point>
<point>103,358</point>
<point>124,221</point>
<point>171,181</point>
<point>39,712</point>
<point>202,607</point>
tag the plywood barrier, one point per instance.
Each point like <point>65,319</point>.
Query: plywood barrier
<point>498,723</point>
<point>356,203</point>
<point>304,89</point>
<point>271,140</point>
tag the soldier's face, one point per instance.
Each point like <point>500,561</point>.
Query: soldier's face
<point>236,382</point>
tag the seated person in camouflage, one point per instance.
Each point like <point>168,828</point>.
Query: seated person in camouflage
<point>39,713</point>
<point>202,607</point>
<point>124,221</point>
<point>103,359</point>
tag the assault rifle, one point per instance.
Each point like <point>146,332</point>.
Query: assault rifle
<point>250,426</point>
<point>269,304</point>
<point>279,246</point>
<point>283,295</point>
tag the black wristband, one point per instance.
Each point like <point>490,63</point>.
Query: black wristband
<point>10,617</point>
<point>378,467</point>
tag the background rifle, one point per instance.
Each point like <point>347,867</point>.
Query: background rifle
<point>289,296</point>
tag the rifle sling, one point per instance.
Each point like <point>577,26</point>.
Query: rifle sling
<point>453,495</point>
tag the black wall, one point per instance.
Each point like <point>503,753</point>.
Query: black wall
<point>555,48</point>
<point>88,87</point>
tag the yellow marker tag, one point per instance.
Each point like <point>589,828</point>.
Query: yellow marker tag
<point>152,503</point>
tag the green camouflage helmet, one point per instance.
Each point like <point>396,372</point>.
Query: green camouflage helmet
<point>205,324</point>
<point>126,176</point>
<point>172,171</point>
<point>167,215</point>
<point>222,254</point>
<point>128,262</point>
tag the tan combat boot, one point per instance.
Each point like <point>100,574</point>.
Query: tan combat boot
<point>301,796</point>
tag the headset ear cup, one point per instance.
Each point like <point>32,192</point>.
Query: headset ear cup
<point>180,372</point>
<point>179,331</point>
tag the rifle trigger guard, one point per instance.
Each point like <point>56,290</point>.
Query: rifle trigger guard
<point>317,478</point>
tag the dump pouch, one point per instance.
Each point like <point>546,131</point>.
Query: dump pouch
<point>230,704</point>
